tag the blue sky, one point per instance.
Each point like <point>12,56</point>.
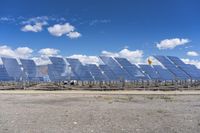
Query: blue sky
<point>103,25</point>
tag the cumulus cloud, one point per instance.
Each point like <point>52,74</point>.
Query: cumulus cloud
<point>87,59</point>
<point>37,27</point>
<point>59,29</point>
<point>44,54</point>
<point>48,51</point>
<point>192,53</point>
<point>21,52</point>
<point>135,56</point>
<point>24,52</point>
<point>171,43</point>
<point>73,35</point>
<point>34,24</point>
<point>64,29</point>
<point>193,62</point>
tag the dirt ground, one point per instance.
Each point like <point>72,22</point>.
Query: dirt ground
<point>98,113</point>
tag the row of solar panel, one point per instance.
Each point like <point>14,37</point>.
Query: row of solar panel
<point>113,69</point>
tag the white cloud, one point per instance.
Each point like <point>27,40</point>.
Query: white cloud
<point>73,35</point>
<point>7,19</point>
<point>59,29</point>
<point>21,52</point>
<point>111,54</point>
<point>6,51</point>
<point>41,60</point>
<point>48,51</point>
<point>133,56</point>
<point>96,21</point>
<point>192,53</point>
<point>64,29</point>
<point>193,62</point>
<point>34,20</point>
<point>34,24</point>
<point>87,59</point>
<point>171,43</point>
<point>37,27</point>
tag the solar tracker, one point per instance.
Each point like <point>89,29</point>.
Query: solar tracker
<point>108,72</point>
<point>29,67</point>
<point>179,74</point>
<point>51,73</point>
<point>79,70</point>
<point>116,68</point>
<point>163,73</point>
<point>150,71</point>
<point>96,72</point>
<point>132,69</point>
<point>13,68</point>
<point>57,69</point>
<point>191,71</point>
<point>4,74</point>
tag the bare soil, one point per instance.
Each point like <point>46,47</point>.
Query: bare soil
<point>99,113</point>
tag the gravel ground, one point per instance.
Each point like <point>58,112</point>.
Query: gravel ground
<point>99,113</point>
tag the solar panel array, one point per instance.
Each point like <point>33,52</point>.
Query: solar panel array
<point>164,74</point>
<point>188,69</point>
<point>29,68</point>
<point>121,73</point>
<point>96,73</point>
<point>150,71</point>
<point>108,72</point>
<point>179,74</point>
<point>113,69</point>
<point>4,74</point>
<point>132,69</point>
<point>79,70</point>
<point>57,69</point>
<point>13,68</point>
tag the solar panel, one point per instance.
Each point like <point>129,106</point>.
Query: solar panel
<point>79,70</point>
<point>132,69</point>
<point>29,68</point>
<point>191,71</point>
<point>194,67</point>
<point>4,74</point>
<point>57,69</point>
<point>108,72</point>
<point>116,68</point>
<point>163,73</point>
<point>179,74</point>
<point>13,68</point>
<point>149,70</point>
<point>96,72</point>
